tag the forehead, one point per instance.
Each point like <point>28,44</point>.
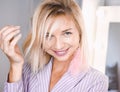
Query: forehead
<point>60,23</point>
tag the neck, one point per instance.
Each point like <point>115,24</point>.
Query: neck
<point>59,66</point>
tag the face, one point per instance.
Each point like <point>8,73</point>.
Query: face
<point>62,38</point>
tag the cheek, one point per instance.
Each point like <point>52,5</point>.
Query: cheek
<point>77,37</point>
<point>67,40</point>
<point>46,47</point>
<point>48,43</point>
<point>74,40</point>
<point>76,43</point>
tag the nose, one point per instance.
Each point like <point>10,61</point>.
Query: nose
<point>58,44</point>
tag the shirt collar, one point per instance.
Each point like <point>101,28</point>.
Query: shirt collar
<point>78,63</point>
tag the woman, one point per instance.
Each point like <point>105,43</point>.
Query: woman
<point>55,51</point>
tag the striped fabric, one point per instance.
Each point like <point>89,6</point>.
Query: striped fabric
<point>90,80</point>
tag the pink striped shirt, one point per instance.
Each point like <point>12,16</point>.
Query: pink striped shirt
<point>90,80</point>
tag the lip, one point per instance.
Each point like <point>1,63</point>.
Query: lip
<point>61,52</point>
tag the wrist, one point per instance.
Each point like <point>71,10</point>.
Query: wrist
<point>15,73</point>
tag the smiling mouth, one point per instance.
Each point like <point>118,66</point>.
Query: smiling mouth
<point>61,52</point>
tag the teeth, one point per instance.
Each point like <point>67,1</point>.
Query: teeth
<point>60,53</point>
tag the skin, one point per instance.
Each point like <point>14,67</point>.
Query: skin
<point>9,36</point>
<point>61,45</point>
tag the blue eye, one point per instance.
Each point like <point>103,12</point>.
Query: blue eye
<point>68,33</point>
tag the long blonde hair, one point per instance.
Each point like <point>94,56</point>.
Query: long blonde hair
<point>33,47</point>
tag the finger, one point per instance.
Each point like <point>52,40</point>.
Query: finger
<point>15,40</point>
<point>11,35</point>
<point>3,29</point>
<point>7,41</point>
<point>9,30</point>
<point>5,46</point>
<point>1,46</point>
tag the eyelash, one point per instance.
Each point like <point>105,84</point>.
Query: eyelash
<point>65,33</point>
<point>46,36</point>
<point>49,37</point>
<point>68,33</point>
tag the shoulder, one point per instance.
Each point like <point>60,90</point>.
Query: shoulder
<point>26,72</point>
<point>96,75</point>
<point>96,80</point>
<point>92,76</point>
<point>26,68</point>
<point>92,80</point>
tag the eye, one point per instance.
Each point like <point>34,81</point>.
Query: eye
<point>49,37</point>
<point>46,36</point>
<point>67,33</point>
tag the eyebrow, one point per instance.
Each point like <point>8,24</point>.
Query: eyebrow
<point>62,31</point>
<point>66,29</point>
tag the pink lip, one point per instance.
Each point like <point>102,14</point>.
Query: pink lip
<point>61,52</point>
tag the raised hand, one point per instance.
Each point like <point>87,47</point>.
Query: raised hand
<point>9,36</point>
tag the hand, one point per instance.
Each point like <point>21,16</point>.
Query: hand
<point>9,37</point>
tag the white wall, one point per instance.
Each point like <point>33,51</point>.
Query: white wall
<point>89,8</point>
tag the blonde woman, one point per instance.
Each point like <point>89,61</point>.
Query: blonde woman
<point>55,53</point>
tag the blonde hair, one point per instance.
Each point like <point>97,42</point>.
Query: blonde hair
<point>33,47</point>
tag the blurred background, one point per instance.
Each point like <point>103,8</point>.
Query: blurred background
<point>15,12</point>
<point>102,22</point>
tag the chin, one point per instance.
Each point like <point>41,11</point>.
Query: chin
<point>60,60</point>
<point>63,59</point>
